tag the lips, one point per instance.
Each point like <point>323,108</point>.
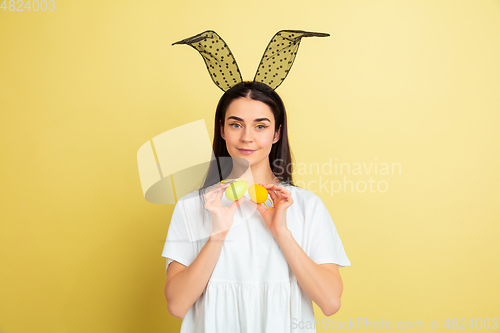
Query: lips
<point>246,151</point>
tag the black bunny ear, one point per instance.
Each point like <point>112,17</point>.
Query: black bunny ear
<point>219,60</point>
<point>279,56</point>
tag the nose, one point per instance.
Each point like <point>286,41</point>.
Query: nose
<point>247,136</point>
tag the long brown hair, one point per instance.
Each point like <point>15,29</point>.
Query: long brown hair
<point>280,157</point>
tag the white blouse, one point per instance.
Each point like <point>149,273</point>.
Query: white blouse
<point>252,288</point>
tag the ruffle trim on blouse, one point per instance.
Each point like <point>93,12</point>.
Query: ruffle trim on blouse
<point>248,307</point>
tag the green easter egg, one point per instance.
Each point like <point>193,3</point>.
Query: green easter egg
<point>236,190</point>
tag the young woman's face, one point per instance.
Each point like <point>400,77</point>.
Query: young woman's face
<point>249,130</point>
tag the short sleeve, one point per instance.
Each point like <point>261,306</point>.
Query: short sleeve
<point>178,246</point>
<point>324,244</point>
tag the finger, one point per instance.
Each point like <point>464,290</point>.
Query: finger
<point>217,189</point>
<point>283,189</point>
<point>209,204</point>
<point>280,188</point>
<point>273,195</point>
<point>287,202</point>
<point>210,192</point>
<point>209,197</point>
<point>274,191</point>
<point>220,193</point>
<point>212,199</point>
<point>214,195</point>
<point>284,193</point>
<point>237,203</point>
<point>271,187</point>
<point>262,210</point>
<point>287,198</point>
<point>213,188</point>
<point>279,194</point>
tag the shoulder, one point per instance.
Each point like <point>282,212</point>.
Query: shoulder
<point>308,212</point>
<point>190,215</point>
<point>302,195</point>
<point>304,200</point>
<point>190,200</point>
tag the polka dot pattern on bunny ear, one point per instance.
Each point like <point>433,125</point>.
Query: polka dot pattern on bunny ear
<point>279,56</point>
<point>220,61</point>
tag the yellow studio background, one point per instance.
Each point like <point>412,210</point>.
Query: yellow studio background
<point>415,83</point>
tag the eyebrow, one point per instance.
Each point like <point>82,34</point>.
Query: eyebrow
<point>256,120</point>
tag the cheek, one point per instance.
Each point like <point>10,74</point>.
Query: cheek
<point>231,137</point>
<point>267,140</point>
<point>228,135</point>
<point>232,140</point>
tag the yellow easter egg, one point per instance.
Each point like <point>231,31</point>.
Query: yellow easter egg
<point>257,193</point>
<point>236,190</point>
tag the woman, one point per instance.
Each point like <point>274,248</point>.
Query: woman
<point>258,270</point>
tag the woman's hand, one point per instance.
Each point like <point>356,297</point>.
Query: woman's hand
<point>222,216</point>
<point>275,218</point>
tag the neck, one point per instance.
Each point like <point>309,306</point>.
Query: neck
<point>255,174</point>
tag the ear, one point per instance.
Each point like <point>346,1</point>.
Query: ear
<point>202,43</point>
<point>277,135</point>
<point>221,130</point>
<point>291,39</point>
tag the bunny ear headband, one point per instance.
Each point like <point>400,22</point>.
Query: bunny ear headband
<point>274,65</point>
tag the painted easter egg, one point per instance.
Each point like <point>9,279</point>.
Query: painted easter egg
<point>257,193</point>
<point>236,190</point>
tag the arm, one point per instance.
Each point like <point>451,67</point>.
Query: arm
<point>322,283</point>
<point>186,284</point>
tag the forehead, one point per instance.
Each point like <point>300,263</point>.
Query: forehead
<point>249,109</point>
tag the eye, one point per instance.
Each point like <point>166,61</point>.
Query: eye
<point>262,127</point>
<point>235,124</point>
